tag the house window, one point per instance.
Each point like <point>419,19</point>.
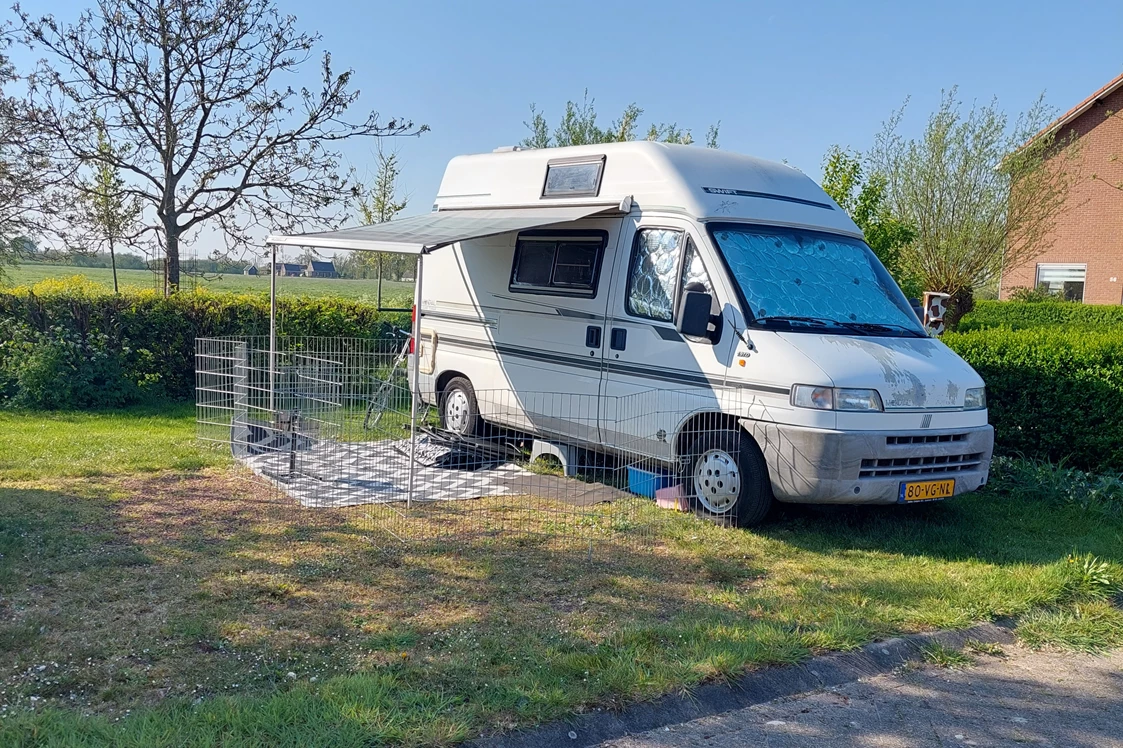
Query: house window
<point>1066,281</point>
<point>560,264</point>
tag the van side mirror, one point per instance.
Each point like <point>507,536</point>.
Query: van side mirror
<point>694,314</point>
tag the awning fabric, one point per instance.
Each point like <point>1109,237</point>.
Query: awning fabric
<point>418,234</point>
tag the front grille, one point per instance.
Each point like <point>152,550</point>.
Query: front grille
<point>931,465</point>
<point>925,439</point>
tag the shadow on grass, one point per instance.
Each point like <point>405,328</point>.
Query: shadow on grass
<point>992,526</point>
<point>216,609</point>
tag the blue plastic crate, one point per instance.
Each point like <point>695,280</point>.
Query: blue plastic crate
<point>647,482</point>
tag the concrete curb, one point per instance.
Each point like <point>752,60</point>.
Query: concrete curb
<point>756,687</point>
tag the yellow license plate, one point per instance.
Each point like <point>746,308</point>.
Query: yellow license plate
<point>926,490</point>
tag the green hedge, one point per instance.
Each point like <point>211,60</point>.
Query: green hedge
<point>1053,393</point>
<point>1020,315</point>
<point>70,344</point>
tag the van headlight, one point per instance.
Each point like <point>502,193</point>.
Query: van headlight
<point>835,398</point>
<point>975,399</point>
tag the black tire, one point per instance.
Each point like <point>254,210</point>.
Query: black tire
<point>754,497</point>
<point>468,422</point>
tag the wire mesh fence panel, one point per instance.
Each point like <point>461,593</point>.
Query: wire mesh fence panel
<point>327,423</point>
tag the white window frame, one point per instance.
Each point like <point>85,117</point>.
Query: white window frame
<point>1069,266</point>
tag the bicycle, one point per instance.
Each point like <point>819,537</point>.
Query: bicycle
<point>382,399</point>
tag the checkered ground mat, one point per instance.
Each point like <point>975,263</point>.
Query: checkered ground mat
<point>333,474</point>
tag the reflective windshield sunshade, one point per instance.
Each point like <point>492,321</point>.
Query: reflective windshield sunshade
<point>795,273</point>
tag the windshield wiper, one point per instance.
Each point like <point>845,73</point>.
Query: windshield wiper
<point>862,328</point>
<point>885,327</point>
<point>824,321</point>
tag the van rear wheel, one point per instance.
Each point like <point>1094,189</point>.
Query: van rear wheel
<point>460,412</point>
<point>726,478</point>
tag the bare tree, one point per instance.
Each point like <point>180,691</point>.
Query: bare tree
<point>25,178</point>
<point>208,133</point>
<point>982,195</point>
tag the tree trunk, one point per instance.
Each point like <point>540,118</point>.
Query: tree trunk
<point>113,264</point>
<point>171,250</point>
<point>960,304</point>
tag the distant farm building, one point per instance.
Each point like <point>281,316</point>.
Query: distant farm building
<point>320,269</point>
<point>290,269</point>
<point>250,270</point>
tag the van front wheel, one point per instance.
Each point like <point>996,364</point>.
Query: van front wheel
<point>460,413</point>
<point>726,478</point>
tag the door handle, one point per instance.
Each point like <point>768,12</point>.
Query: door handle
<point>592,336</point>
<point>619,339</point>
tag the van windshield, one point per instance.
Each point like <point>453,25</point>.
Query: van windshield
<point>806,281</point>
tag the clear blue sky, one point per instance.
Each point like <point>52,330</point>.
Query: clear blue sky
<point>786,79</point>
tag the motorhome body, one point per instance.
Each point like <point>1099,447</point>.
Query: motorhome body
<point>717,312</point>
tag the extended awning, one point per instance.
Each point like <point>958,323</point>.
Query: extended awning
<point>421,234</point>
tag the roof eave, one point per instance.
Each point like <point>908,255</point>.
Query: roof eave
<point>1080,109</point>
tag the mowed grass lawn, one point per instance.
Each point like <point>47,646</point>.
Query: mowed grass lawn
<point>150,596</point>
<point>394,293</point>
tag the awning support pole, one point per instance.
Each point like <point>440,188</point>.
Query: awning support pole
<point>415,383</point>
<point>273,331</point>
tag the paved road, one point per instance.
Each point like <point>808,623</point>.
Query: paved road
<point>1025,698</point>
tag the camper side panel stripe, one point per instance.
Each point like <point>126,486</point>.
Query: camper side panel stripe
<point>642,372</point>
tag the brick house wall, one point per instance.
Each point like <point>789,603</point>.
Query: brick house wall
<point>1090,230</point>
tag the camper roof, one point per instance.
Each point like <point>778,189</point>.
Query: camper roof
<point>513,190</point>
<point>702,182</point>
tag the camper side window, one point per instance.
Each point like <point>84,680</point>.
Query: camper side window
<point>654,274</point>
<point>561,264</point>
<point>693,271</point>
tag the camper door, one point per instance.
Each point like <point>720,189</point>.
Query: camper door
<point>655,378</point>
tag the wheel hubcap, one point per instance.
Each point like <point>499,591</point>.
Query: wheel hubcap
<point>717,481</point>
<point>456,411</point>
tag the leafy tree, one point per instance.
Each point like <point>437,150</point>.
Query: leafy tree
<point>377,205</point>
<point>106,209</point>
<point>578,126</point>
<point>981,194</point>
<point>862,196</point>
<point>194,92</point>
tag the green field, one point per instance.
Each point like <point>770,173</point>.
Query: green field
<point>394,293</point>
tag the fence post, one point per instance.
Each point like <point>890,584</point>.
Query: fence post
<point>273,331</point>
<point>415,383</point>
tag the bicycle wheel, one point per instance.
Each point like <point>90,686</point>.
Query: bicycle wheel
<point>378,405</point>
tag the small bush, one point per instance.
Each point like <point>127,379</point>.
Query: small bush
<point>1038,480</point>
<point>61,369</point>
<point>1041,293</point>
<point>1036,312</point>
<point>1053,394</point>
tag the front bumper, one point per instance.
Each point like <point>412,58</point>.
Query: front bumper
<point>819,466</point>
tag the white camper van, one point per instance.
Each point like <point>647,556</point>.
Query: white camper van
<point>715,312</point>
